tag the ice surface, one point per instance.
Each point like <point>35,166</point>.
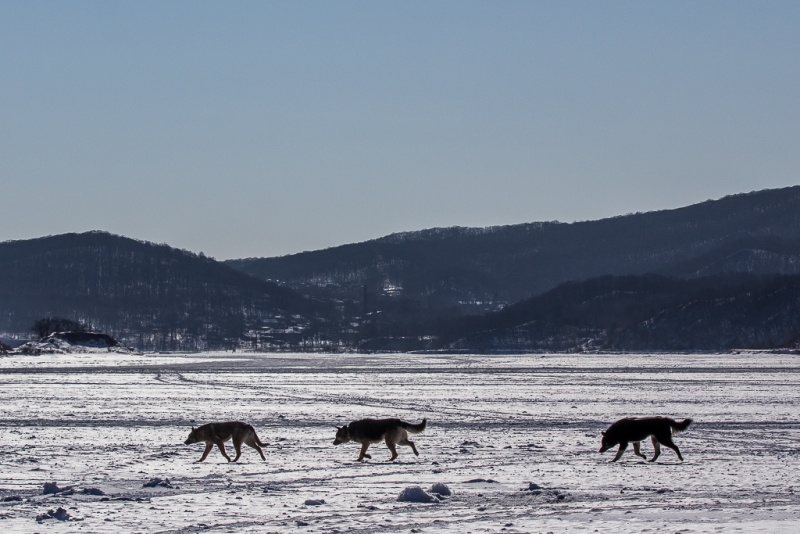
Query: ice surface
<point>529,424</point>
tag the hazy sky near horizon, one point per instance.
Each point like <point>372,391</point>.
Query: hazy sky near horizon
<point>265,128</point>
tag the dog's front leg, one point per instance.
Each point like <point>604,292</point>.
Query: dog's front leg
<point>221,446</point>
<point>622,447</point>
<point>209,446</point>
<point>364,447</point>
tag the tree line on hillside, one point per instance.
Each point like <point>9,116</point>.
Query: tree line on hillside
<point>152,297</point>
<point>616,313</point>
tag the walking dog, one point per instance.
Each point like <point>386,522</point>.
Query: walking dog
<point>367,431</point>
<point>634,430</point>
<point>218,433</point>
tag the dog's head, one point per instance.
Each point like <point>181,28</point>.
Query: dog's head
<point>342,435</point>
<point>193,438</point>
<point>607,442</point>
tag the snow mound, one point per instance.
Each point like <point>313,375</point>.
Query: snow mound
<point>71,342</point>
<point>51,488</point>
<point>60,514</point>
<point>552,495</point>
<point>157,482</point>
<point>415,494</point>
<point>441,489</point>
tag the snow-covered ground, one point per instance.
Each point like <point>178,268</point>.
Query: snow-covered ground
<point>497,424</point>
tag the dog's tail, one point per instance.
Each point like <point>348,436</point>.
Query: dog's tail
<point>257,440</point>
<point>415,429</point>
<point>679,427</point>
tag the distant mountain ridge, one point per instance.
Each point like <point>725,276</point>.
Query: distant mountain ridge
<point>756,232</point>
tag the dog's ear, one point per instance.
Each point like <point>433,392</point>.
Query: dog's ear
<point>192,429</point>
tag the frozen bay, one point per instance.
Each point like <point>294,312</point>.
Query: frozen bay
<point>496,425</point>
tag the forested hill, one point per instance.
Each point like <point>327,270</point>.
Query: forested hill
<point>149,296</point>
<point>757,232</point>
<point>638,313</point>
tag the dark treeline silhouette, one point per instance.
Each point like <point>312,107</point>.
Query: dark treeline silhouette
<point>459,271</point>
<point>152,296</point>
<point>50,325</point>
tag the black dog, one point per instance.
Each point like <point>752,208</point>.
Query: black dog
<point>634,430</point>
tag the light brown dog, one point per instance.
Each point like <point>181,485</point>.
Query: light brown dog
<point>218,433</point>
<point>367,431</point>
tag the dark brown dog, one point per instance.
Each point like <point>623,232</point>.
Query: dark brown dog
<point>367,431</point>
<point>634,430</point>
<point>218,433</point>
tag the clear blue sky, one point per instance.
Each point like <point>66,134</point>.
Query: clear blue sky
<point>258,128</point>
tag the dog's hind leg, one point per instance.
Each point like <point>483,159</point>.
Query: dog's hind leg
<point>622,447</point>
<point>364,447</point>
<point>251,441</point>
<point>637,449</point>
<point>221,446</point>
<point>668,443</point>
<point>209,446</point>
<point>408,443</point>
<point>656,448</point>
